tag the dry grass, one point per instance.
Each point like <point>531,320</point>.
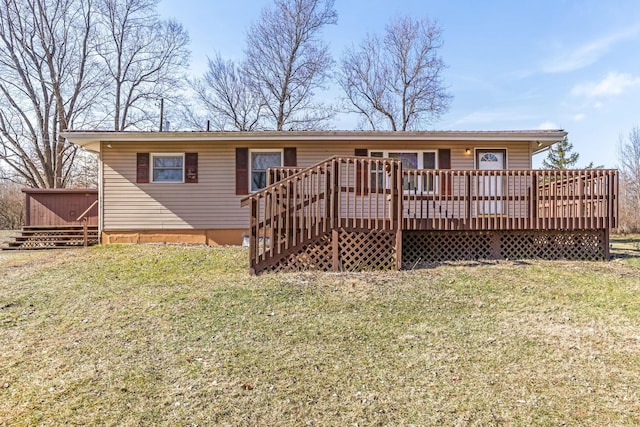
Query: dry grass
<point>167,335</point>
<point>6,236</point>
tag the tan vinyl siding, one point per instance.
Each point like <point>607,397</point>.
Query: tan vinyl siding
<point>212,203</point>
<point>518,154</point>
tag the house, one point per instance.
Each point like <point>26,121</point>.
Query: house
<point>434,194</point>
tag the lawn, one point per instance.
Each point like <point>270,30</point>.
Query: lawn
<point>173,335</point>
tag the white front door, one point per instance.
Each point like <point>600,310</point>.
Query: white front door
<point>490,186</point>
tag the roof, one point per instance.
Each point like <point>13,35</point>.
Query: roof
<point>60,190</point>
<point>539,140</point>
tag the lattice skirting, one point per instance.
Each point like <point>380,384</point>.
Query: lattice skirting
<point>436,246</point>
<point>314,255</point>
<point>364,250</point>
<point>358,250</point>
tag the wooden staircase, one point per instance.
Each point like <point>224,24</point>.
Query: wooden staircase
<point>54,237</point>
<point>331,216</point>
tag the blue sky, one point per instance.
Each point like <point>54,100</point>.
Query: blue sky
<point>566,64</point>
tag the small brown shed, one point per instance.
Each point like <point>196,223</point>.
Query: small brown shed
<point>45,207</point>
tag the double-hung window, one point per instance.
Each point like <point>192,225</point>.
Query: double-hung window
<point>261,160</point>
<point>410,160</point>
<point>167,167</point>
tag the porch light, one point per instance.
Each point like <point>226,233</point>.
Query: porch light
<point>467,150</point>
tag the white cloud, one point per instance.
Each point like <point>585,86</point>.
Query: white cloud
<point>613,84</point>
<point>578,117</point>
<point>587,54</point>
<point>548,125</point>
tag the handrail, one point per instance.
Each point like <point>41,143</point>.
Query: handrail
<point>244,200</point>
<point>275,174</point>
<point>87,210</point>
<point>85,223</point>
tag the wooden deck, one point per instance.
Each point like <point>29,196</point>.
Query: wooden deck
<point>58,218</point>
<point>351,213</point>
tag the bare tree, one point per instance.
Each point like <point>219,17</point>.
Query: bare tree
<point>629,156</point>
<point>85,171</point>
<point>11,205</point>
<point>286,62</point>
<point>61,59</point>
<point>396,82</point>
<point>144,57</point>
<point>47,81</point>
<point>225,93</point>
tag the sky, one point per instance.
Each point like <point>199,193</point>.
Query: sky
<point>511,65</point>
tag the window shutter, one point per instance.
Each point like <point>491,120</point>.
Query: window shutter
<point>362,181</point>
<point>142,168</point>
<point>290,157</point>
<point>242,170</point>
<point>191,167</point>
<point>444,162</point>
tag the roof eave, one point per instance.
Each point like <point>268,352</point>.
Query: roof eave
<point>538,139</point>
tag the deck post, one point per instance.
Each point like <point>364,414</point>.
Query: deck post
<point>496,251</point>
<point>253,240</point>
<point>399,249</point>
<point>335,246</point>
<point>467,196</point>
<point>533,202</point>
<point>398,210</point>
<point>336,194</point>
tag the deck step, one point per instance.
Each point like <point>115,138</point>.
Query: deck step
<point>59,236</point>
<point>52,237</point>
<point>35,248</point>
<point>55,227</point>
<point>58,231</point>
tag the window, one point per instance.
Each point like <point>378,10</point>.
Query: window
<point>428,162</point>
<point>410,160</point>
<point>489,157</point>
<point>260,162</point>
<point>167,167</point>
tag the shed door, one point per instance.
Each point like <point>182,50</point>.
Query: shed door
<point>490,186</point>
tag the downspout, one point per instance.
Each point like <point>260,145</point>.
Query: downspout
<point>100,193</point>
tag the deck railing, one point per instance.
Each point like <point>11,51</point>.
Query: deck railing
<point>311,202</point>
<point>510,199</point>
<point>278,174</point>
<point>300,205</point>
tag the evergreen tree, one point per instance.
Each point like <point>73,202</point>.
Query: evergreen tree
<point>561,156</point>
